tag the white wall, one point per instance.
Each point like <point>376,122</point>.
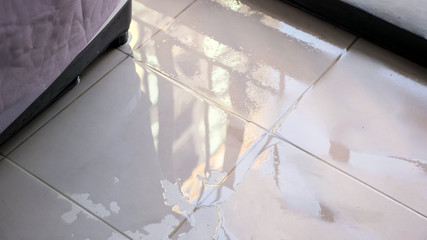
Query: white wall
<point>408,14</point>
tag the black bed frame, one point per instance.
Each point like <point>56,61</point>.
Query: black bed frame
<point>368,26</point>
<point>113,35</point>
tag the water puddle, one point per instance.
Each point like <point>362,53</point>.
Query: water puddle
<point>174,198</point>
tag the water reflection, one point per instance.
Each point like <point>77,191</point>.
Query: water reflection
<point>227,65</point>
<point>176,146</point>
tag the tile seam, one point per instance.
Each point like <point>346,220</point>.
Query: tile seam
<point>283,117</point>
<point>162,28</point>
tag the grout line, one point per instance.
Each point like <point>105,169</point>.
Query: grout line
<point>127,54</point>
<point>162,28</point>
<point>179,226</point>
<point>349,175</point>
<point>65,107</point>
<point>351,44</point>
<point>282,118</point>
<point>183,10</point>
<point>65,196</point>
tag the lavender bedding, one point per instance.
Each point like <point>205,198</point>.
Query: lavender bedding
<point>38,40</point>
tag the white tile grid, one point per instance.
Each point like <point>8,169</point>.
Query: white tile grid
<point>200,94</point>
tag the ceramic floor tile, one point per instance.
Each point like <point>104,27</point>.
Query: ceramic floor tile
<point>31,210</point>
<point>288,194</point>
<point>88,77</point>
<point>368,116</point>
<point>148,17</point>
<point>132,146</point>
<point>253,57</point>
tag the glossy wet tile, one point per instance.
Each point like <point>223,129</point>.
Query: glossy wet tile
<point>280,192</point>
<point>148,17</point>
<point>88,77</point>
<point>253,57</point>
<point>368,116</point>
<point>137,150</point>
<point>31,210</point>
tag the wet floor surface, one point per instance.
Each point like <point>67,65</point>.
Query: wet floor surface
<point>226,119</point>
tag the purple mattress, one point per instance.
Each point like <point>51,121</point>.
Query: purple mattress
<point>38,40</point>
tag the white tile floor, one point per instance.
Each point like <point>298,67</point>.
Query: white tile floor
<point>226,119</point>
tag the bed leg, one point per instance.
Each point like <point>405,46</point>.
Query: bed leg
<point>70,86</point>
<point>120,40</point>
